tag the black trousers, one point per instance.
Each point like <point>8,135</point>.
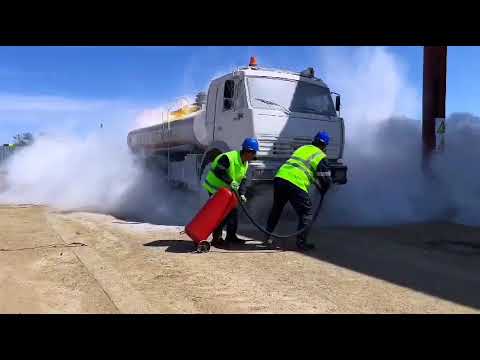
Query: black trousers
<point>231,221</point>
<point>283,192</point>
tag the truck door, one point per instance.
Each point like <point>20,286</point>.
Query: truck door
<point>211,110</point>
<point>230,121</point>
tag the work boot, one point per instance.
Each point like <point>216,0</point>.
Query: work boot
<point>267,242</point>
<point>234,239</point>
<point>218,241</point>
<point>304,246</point>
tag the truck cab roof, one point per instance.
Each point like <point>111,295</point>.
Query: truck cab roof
<point>273,73</point>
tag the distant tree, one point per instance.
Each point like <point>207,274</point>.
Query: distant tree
<point>23,139</point>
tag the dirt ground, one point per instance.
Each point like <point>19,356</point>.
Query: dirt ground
<point>77,262</point>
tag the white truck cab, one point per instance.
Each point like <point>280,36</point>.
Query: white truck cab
<point>283,110</point>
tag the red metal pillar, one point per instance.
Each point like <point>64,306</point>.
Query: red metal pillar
<point>434,92</point>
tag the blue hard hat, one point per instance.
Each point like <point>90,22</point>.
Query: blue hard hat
<point>323,137</point>
<point>250,144</point>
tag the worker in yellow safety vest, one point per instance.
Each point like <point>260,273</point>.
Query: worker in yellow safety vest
<point>306,166</point>
<point>230,170</point>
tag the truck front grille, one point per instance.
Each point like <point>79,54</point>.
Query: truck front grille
<point>279,147</point>
<point>263,174</point>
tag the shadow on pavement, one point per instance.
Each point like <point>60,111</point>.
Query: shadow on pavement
<point>442,260</point>
<point>173,246</point>
<point>187,246</point>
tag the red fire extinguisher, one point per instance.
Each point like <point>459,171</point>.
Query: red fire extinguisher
<point>210,217</point>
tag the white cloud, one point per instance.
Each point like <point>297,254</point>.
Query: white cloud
<point>16,102</point>
<point>53,114</point>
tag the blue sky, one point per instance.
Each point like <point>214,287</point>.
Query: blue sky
<point>43,88</point>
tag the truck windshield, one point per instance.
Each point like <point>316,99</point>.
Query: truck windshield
<point>289,95</point>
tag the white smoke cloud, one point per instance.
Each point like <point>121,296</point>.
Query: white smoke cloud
<point>373,85</point>
<point>80,161</point>
<point>71,172</point>
<point>150,117</point>
<point>96,171</point>
<point>159,114</point>
<point>456,171</point>
<point>383,152</point>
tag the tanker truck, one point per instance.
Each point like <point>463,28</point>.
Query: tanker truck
<point>282,109</point>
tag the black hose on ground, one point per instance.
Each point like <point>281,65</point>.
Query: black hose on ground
<point>278,236</point>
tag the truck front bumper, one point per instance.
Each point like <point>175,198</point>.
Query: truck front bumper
<point>264,172</point>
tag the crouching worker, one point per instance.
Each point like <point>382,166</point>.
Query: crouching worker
<point>306,166</point>
<point>230,170</point>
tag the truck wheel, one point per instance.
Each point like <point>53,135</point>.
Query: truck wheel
<point>204,173</point>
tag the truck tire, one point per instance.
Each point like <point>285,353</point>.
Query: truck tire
<point>203,174</point>
<point>207,161</point>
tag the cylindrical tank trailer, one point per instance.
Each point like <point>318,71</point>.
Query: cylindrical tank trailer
<point>185,126</point>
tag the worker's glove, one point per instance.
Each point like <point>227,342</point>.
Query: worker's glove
<point>235,186</point>
<point>243,198</point>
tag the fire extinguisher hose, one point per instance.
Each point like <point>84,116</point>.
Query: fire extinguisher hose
<point>279,236</point>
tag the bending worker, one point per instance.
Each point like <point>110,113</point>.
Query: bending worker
<point>230,170</point>
<point>307,165</point>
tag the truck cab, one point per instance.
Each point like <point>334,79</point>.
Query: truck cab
<point>283,110</point>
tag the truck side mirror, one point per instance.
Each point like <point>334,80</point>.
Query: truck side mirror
<point>337,103</point>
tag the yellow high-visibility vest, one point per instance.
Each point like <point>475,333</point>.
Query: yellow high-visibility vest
<point>301,168</point>
<point>237,171</point>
